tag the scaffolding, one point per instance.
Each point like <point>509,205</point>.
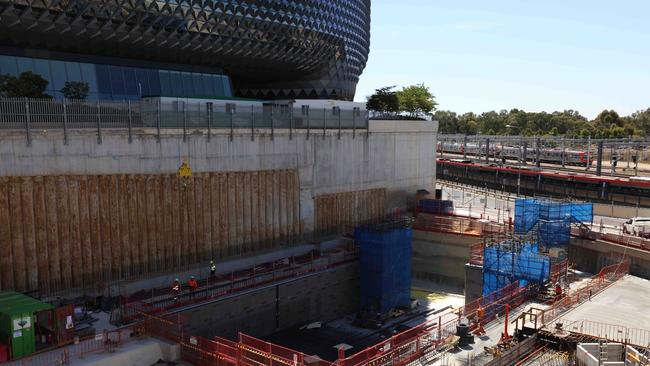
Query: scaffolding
<point>516,259</point>
<point>385,261</point>
<point>542,231</point>
<point>552,220</point>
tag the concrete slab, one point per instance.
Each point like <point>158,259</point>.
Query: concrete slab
<point>625,304</point>
<point>139,353</point>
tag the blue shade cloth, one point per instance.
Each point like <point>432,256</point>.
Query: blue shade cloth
<point>502,266</point>
<point>385,262</point>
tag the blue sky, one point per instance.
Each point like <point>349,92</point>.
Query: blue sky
<point>479,55</point>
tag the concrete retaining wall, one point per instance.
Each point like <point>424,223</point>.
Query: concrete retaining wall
<point>362,174</point>
<point>590,256</point>
<point>320,297</point>
<point>441,257</point>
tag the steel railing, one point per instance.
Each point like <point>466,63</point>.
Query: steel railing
<point>43,114</point>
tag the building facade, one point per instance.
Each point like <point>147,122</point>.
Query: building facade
<point>261,49</point>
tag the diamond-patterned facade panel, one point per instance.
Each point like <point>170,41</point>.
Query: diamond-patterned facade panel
<point>270,48</point>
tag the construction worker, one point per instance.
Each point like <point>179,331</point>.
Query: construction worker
<point>213,269</point>
<point>176,289</point>
<point>558,289</point>
<point>192,284</point>
<point>480,313</point>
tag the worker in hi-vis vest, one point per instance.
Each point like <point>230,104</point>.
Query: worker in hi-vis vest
<point>176,288</point>
<point>213,269</point>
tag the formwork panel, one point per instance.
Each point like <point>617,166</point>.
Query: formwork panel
<point>340,211</point>
<point>27,197</point>
<point>53,236</point>
<point>76,254</point>
<point>41,231</point>
<point>80,231</point>
<point>6,259</point>
<point>15,210</point>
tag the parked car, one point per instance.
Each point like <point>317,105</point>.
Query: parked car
<point>638,226</point>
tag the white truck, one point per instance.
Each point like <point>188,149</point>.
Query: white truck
<point>637,226</point>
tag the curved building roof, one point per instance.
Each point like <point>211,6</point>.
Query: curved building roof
<point>270,48</point>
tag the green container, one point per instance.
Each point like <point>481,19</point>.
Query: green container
<point>17,322</point>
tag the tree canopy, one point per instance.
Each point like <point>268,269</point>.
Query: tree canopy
<point>608,124</point>
<point>75,90</point>
<point>26,85</point>
<point>384,100</point>
<point>416,100</point>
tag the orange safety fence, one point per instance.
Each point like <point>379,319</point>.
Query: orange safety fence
<point>621,239</point>
<point>559,270</point>
<point>258,275</point>
<point>606,277</point>
<point>97,343</point>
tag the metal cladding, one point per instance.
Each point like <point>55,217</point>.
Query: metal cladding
<point>271,49</point>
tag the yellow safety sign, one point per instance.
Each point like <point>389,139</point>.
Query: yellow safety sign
<point>184,171</point>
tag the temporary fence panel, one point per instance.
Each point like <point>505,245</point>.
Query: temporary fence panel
<point>385,256</point>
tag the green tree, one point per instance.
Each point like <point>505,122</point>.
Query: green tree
<point>75,90</point>
<point>606,119</point>
<point>416,100</point>
<point>26,85</point>
<point>383,101</point>
<point>448,122</point>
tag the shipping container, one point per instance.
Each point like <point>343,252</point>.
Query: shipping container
<point>18,322</point>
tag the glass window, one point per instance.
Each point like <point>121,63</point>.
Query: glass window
<point>198,85</point>
<point>117,80</point>
<point>130,82</point>
<point>42,67</point>
<point>74,71</point>
<point>165,83</point>
<point>141,80</point>
<point>59,76</point>
<point>208,88</point>
<point>103,80</point>
<point>153,76</point>
<point>176,87</point>
<point>88,75</point>
<point>24,64</point>
<point>218,85</point>
<point>226,86</point>
<point>8,65</point>
<point>188,88</point>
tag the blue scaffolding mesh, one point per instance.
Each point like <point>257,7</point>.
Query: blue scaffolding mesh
<point>551,219</point>
<point>504,264</point>
<point>554,233</point>
<point>385,260</point>
<point>526,214</point>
